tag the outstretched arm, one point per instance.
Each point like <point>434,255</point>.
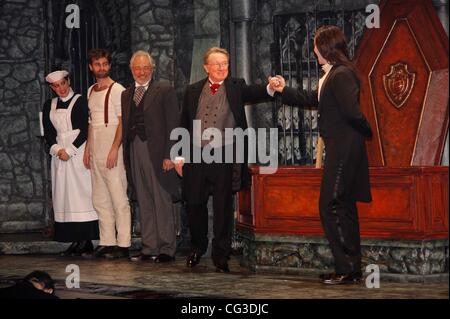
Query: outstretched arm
<point>291,96</point>
<point>255,93</point>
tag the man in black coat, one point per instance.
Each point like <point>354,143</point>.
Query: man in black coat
<point>217,102</point>
<point>343,128</point>
<point>149,113</point>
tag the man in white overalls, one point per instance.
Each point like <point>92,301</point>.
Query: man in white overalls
<point>105,159</point>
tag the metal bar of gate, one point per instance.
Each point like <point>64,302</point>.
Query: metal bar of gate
<point>308,68</point>
<point>290,106</point>
<point>283,119</point>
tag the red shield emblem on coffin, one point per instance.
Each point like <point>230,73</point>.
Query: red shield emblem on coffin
<point>398,84</point>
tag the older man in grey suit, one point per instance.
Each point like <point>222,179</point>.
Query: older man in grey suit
<point>149,112</point>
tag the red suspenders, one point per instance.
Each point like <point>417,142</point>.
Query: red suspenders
<point>106,101</point>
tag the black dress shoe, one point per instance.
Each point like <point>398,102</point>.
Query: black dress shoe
<point>163,258</point>
<point>143,257</point>
<point>222,267</point>
<point>342,279</point>
<point>99,251</point>
<point>118,252</point>
<point>193,260</point>
<point>84,247</point>
<point>69,251</point>
<point>324,276</point>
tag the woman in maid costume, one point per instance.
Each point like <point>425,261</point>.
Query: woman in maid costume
<point>65,122</point>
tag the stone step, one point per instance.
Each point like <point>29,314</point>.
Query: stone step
<point>37,243</point>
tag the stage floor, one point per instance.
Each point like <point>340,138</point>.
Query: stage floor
<point>103,278</point>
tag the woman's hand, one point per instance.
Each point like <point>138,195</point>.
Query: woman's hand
<point>62,155</point>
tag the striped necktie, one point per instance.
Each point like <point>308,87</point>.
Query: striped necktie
<point>138,94</point>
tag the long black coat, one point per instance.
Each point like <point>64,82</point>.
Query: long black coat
<point>24,290</point>
<point>161,115</point>
<point>238,94</point>
<point>343,128</point>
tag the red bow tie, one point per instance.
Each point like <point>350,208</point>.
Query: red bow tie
<point>214,87</point>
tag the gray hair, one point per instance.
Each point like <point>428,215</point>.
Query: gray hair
<point>142,53</point>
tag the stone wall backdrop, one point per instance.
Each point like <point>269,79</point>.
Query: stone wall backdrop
<point>175,32</point>
<point>153,30</point>
<point>184,42</point>
<point>262,41</point>
<point>103,24</point>
<point>23,166</point>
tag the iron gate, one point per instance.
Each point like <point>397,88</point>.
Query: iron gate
<point>295,60</point>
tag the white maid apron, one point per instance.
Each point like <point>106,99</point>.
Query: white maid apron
<point>71,181</point>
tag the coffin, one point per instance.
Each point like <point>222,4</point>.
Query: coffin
<point>408,203</point>
<point>403,69</point>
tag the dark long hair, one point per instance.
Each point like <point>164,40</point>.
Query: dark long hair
<point>332,45</point>
<point>41,277</point>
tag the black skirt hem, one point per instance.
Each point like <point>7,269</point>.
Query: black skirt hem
<point>76,231</point>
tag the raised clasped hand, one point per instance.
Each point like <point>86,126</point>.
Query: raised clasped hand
<point>277,83</point>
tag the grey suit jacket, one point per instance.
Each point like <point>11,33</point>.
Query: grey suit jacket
<point>161,115</point>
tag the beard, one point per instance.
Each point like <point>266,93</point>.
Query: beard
<point>101,75</point>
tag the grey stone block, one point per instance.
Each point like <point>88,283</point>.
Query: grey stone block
<point>140,7</point>
<point>19,138</point>
<point>18,226</point>
<point>146,18</point>
<point>210,4</point>
<point>394,257</point>
<point>25,189</point>
<point>155,28</point>
<point>36,210</point>
<point>163,16</point>
<point>5,69</point>
<point>210,23</point>
<point>11,84</point>
<point>9,94</point>
<point>5,162</point>
<point>161,3</point>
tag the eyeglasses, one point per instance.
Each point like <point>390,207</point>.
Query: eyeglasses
<point>218,65</point>
<point>145,68</point>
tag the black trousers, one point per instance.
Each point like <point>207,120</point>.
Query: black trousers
<point>215,178</point>
<point>338,212</point>
<point>341,226</point>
